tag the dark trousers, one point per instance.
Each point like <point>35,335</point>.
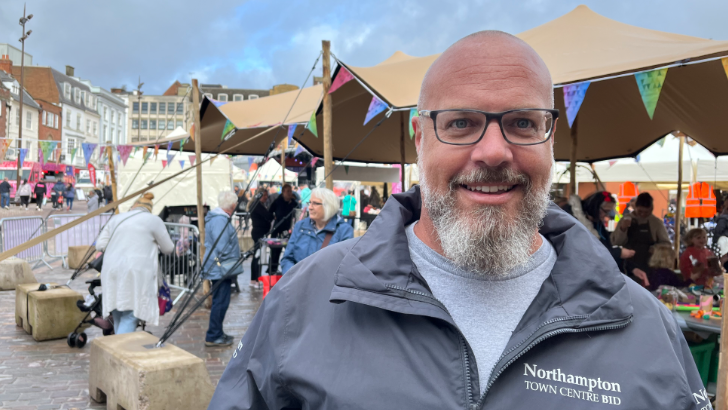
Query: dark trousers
<point>220,303</point>
<point>256,234</point>
<point>39,201</point>
<point>275,254</point>
<point>24,200</point>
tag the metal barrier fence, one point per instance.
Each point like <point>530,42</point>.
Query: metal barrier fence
<point>83,234</point>
<point>18,230</point>
<point>182,267</point>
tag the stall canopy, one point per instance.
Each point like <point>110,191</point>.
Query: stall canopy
<point>580,46</point>
<point>251,117</point>
<point>271,171</point>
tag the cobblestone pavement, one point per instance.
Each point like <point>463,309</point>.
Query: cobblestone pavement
<point>50,375</point>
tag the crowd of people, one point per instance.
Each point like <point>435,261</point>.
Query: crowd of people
<point>61,193</point>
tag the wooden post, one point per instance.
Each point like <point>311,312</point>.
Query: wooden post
<point>198,154</point>
<point>284,145</point>
<point>404,130</point>
<point>678,205</point>
<point>112,174</point>
<point>328,121</point>
<point>572,165</point>
<point>720,402</point>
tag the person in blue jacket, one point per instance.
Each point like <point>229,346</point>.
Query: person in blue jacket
<point>323,227</point>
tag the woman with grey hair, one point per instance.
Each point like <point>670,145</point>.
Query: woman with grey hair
<point>323,227</point>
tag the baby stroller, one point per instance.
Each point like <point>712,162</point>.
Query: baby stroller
<point>76,339</point>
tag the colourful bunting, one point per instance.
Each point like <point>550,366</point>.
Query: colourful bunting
<point>124,152</point>
<point>312,124</point>
<point>182,163</point>
<point>92,173</point>
<point>661,142</point>
<point>156,151</point>
<point>144,153</point>
<point>229,126</point>
<point>313,161</point>
<point>346,169</point>
<point>291,130</point>
<point>375,107</point>
<point>650,85</point>
<point>413,114</point>
<point>41,160</point>
<point>724,60</point>
<point>192,158</point>
<point>573,97</point>
<point>342,77</point>
<point>73,154</point>
<point>169,148</point>
<point>299,150</point>
<point>88,151</point>
<point>192,132</point>
<point>4,144</point>
<point>611,163</point>
<point>23,153</point>
<point>164,163</point>
<point>170,157</point>
<point>637,158</point>
<point>250,162</point>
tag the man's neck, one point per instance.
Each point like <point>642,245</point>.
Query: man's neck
<point>425,231</point>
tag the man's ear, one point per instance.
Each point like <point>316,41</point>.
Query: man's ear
<point>416,126</point>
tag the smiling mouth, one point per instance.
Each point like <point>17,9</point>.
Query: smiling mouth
<point>493,189</point>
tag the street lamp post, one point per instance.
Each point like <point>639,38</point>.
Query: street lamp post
<point>23,20</point>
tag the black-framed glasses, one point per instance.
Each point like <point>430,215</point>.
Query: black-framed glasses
<point>527,126</point>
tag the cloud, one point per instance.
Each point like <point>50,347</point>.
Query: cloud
<point>256,44</point>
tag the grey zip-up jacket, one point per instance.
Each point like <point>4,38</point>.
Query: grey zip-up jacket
<point>355,326</point>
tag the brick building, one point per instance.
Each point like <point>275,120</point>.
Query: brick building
<point>4,104</point>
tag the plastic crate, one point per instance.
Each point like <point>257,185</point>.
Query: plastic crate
<point>702,354</point>
<point>714,362</point>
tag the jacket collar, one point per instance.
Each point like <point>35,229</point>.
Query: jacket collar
<point>585,281</point>
<point>331,225</point>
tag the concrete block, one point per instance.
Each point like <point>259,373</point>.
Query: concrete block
<point>13,272</point>
<point>49,314</point>
<point>77,255</point>
<point>127,372</point>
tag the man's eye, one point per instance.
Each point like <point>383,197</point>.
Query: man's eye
<point>523,123</point>
<point>461,123</point>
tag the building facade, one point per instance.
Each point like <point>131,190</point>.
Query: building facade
<point>153,117</point>
<point>14,54</point>
<point>4,104</point>
<point>29,122</point>
<point>112,112</point>
<point>223,93</point>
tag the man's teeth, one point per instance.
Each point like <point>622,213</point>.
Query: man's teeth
<point>490,189</point>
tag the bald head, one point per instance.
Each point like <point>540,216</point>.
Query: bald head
<point>491,62</point>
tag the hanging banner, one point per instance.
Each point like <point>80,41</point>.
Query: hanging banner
<point>192,132</point>
<point>229,127</point>
<point>291,130</point>
<point>181,145</point>
<point>250,162</point>
<point>573,97</point>
<point>73,154</point>
<point>4,144</point>
<point>312,124</point>
<point>650,86</point>
<point>144,153</point>
<point>192,158</point>
<point>156,151</point>
<point>88,151</point>
<point>164,163</point>
<point>170,156</point>
<point>92,173</point>
<point>48,149</point>
<point>313,162</point>
<point>41,159</point>
<point>23,153</point>
<point>413,114</point>
<point>375,107</point>
<point>342,77</point>
<point>182,163</point>
<point>124,152</point>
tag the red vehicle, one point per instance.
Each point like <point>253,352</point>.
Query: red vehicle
<point>33,172</point>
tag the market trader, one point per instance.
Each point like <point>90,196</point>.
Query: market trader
<point>472,292</point>
<point>282,208</point>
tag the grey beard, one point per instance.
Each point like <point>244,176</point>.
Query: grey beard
<point>486,241</point>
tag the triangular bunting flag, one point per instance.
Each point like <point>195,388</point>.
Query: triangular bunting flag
<point>291,130</point>
<point>170,157</point>
<point>136,149</point>
<point>4,144</point>
<point>192,158</point>
<point>650,85</point>
<point>611,163</point>
<point>724,60</point>
<point>312,124</point>
<point>124,152</point>
<point>41,158</point>
<point>192,132</point>
<point>313,161</point>
<point>573,97</point>
<point>88,151</point>
<point>169,148</point>
<point>218,103</point>
<point>23,153</point>
<point>250,162</point>
<point>182,163</point>
<point>342,77</point>
<point>164,163</point>
<point>661,142</point>
<point>637,158</point>
<point>182,144</point>
<point>73,154</point>
<point>413,113</point>
<point>144,153</point>
<point>229,126</point>
<point>375,107</point>
<point>346,169</point>
<point>299,150</point>
<point>156,151</point>
<point>212,159</point>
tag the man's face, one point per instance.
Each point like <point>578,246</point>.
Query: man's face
<point>493,78</point>
<point>642,211</point>
<point>287,194</point>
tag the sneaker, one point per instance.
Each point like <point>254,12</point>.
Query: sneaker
<point>228,337</point>
<point>221,342</point>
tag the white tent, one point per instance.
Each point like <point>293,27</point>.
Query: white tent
<point>181,190</point>
<point>271,171</point>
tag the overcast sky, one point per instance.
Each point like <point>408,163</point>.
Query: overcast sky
<point>256,44</point>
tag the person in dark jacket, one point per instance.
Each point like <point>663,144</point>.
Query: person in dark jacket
<point>99,194</point>
<point>5,189</point>
<point>473,292</point>
<point>40,191</point>
<point>108,194</point>
<point>70,195</point>
<point>282,209</point>
<point>57,194</point>
<point>720,234</point>
<point>322,228</point>
<point>261,220</point>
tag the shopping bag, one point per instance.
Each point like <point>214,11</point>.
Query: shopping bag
<point>164,298</point>
<point>268,281</point>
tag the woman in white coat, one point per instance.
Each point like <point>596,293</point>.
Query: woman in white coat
<point>132,241</point>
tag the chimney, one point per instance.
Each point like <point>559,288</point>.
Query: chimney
<point>69,71</point>
<point>6,64</point>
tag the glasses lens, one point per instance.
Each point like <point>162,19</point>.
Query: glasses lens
<point>460,127</point>
<point>527,126</point>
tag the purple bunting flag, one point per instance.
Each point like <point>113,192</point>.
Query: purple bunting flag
<point>573,97</point>
<point>88,151</point>
<point>124,152</point>
<point>23,153</point>
<point>182,163</point>
<point>375,107</point>
<point>291,130</point>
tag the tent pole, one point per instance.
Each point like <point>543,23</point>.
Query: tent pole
<point>401,147</point>
<point>678,205</point>
<point>572,165</point>
<point>328,109</point>
<point>110,155</point>
<point>198,155</point>
<point>720,401</point>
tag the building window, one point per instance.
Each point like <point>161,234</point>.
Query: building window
<point>153,108</point>
<point>162,124</point>
<point>162,107</point>
<point>106,114</point>
<point>55,121</point>
<point>118,136</point>
<point>118,117</point>
<point>106,133</point>
<point>29,120</point>
<point>77,95</point>
<point>78,122</point>
<point>17,117</point>
<point>88,126</point>
<point>135,108</point>
<point>71,145</point>
<point>179,124</point>
<point>145,107</point>
<point>238,97</point>
<point>135,124</point>
<point>43,115</point>
<point>144,124</point>
<point>208,95</point>
<point>95,128</point>
<point>86,97</point>
<point>152,124</point>
<point>170,125</point>
<point>180,108</point>
<point>68,119</point>
<point>67,91</point>
<point>222,97</point>
<point>253,96</point>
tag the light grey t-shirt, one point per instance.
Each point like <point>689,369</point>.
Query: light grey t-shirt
<point>486,310</point>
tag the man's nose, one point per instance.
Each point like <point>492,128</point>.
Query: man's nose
<point>492,150</point>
